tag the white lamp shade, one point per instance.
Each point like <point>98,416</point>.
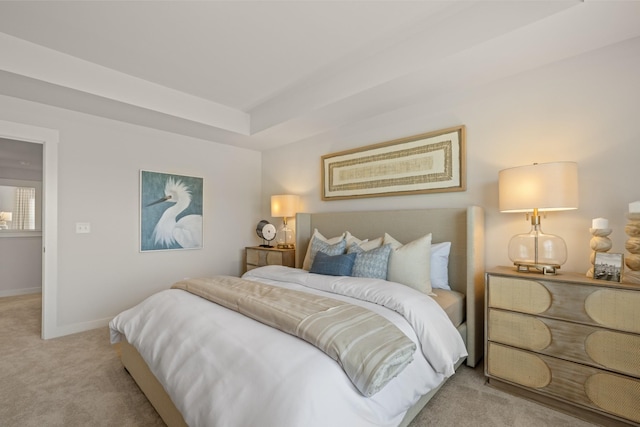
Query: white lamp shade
<point>544,186</point>
<point>6,216</point>
<point>285,205</point>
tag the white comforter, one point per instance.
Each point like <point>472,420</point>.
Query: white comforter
<point>221,368</point>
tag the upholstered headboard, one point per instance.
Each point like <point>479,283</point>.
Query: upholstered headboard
<point>463,227</point>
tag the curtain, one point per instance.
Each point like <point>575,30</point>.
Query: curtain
<point>24,213</point>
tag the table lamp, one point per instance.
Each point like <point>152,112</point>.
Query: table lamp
<point>284,205</point>
<point>533,189</point>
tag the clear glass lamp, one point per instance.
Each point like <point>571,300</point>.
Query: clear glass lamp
<point>285,205</point>
<point>533,189</point>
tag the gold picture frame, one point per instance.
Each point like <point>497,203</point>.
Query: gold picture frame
<point>433,162</point>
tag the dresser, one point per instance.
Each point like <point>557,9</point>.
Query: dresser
<point>567,341</point>
<point>258,256</point>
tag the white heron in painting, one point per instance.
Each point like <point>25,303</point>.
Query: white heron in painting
<point>187,231</point>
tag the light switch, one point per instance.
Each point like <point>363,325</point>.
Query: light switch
<point>83,227</point>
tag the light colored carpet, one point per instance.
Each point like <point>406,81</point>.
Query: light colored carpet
<point>78,380</point>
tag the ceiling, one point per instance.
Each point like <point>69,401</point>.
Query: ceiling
<point>262,74</point>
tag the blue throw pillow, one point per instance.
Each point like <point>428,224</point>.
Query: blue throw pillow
<point>372,263</point>
<point>333,265</point>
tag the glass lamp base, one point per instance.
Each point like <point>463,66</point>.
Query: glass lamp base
<point>285,238</point>
<point>537,251</point>
<point>527,267</point>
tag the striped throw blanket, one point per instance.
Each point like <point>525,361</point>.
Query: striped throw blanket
<point>370,349</point>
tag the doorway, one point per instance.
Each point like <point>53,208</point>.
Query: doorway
<point>48,140</point>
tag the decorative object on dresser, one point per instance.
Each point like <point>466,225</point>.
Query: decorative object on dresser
<point>600,242</point>
<point>258,256</point>
<point>267,232</point>
<point>566,341</point>
<point>285,205</point>
<point>632,261</point>
<point>608,266</point>
<point>534,189</point>
<point>433,162</point>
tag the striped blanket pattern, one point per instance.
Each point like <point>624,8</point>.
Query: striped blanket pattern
<point>370,349</point>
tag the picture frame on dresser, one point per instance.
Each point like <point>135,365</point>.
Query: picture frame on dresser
<point>608,266</point>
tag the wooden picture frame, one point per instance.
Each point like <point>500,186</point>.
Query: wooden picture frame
<point>608,266</point>
<point>433,162</point>
<point>170,211</point>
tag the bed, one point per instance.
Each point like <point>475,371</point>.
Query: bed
<point>345,404</point>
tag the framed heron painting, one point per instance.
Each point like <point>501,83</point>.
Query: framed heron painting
<point>170,211</point>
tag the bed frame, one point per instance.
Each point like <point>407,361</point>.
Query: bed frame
<point>463,227</point>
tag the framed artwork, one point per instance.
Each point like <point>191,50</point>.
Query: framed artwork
<point>608,266</point>
<point>432,162</point>
<point>170,211</point>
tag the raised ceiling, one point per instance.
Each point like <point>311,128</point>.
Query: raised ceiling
<point>261,74</point>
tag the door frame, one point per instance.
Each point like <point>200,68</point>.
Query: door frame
<point>49,139</point>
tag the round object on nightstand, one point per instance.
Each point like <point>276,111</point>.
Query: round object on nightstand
<point>266,231</point>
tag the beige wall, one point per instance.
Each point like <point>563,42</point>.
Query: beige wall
<point>99,161</point>
<point>584,109</point>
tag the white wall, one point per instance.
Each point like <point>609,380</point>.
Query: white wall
<point>584,109</point>
<point>20,264</point>
<point>103,273</point>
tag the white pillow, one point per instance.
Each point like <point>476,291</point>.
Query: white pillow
<point>410,264</point>
<point>306,264</point>
<point>440,265</point>
<point>350,238</point>
<point>365,244</point>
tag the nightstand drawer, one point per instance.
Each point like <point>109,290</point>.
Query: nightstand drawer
<point>608,307</point>
<point>566,340</point>
<point>582,385</point>
<point>260,256</point>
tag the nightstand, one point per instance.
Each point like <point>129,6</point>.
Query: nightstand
<point>258,256</point>
<point>567,341</point>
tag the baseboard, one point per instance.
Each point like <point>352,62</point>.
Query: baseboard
<point>17,292</point>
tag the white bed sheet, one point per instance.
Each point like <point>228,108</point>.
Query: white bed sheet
<point>221,368</point>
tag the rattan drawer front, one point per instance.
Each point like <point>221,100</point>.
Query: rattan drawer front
<point>612,308</point>
<point>615,308</point>
<point>525,296</point>
<point>573,382</point>
<point>518,366</point>
<point>598,347</point>
<point>518,330</point>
